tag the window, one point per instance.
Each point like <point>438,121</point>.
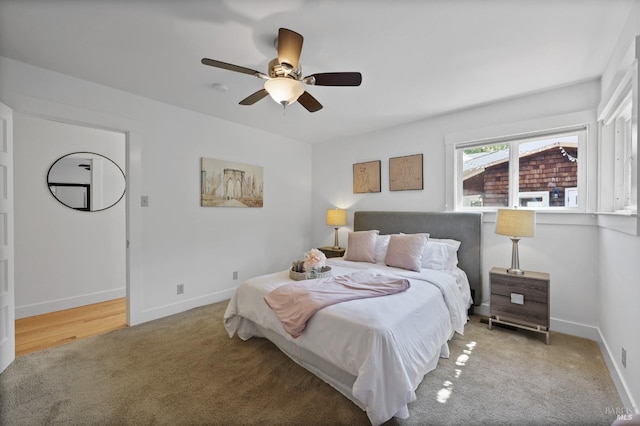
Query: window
<point>540,171</point>
<point>618,162</point>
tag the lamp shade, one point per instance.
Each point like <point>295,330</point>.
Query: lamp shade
<point>516,223</point>
<point>336,217</point>
<point>284,90</point>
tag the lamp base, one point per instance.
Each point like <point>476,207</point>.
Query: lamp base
<point>515,258</point>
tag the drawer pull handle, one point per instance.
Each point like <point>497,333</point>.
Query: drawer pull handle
<point>517,298</point>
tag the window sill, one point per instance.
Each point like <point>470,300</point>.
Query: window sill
<point>623,212</point>
<point>621,221</point>
<point>626,222</point>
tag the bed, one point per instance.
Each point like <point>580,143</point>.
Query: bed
<point>376,351</point>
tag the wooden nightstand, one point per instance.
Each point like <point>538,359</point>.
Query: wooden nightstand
<point>520,300</point>
<point>332,251</point>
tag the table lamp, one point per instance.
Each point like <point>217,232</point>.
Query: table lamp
<point>516,224</point>
<point>336,218</point>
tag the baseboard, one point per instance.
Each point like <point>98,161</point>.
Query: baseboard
<point>561,326</point>
<point>617,376</point>
<point>482,309</point>
<point>185,305</point>
<point>575,329</point>
<point>69,302</point>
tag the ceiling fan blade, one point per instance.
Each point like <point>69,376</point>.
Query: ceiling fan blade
<point>289,47</point>
<point>231,67</point>
<point>254,97</point>
<point>309,102</point>
<point>334,79</point>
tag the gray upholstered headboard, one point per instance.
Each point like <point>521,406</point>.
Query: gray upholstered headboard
<point>464,227</point>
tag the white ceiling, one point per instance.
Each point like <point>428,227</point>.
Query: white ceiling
<point>418,59</point>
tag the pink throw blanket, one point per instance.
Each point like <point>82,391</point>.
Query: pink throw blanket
<point>295,303</point>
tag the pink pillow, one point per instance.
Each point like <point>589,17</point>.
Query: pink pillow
<point>405,251</point>
<point>361,246</point>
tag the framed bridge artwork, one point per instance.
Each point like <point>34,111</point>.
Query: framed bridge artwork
<point>230,184</point>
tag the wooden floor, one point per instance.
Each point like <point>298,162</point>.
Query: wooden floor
<point>57,328</point>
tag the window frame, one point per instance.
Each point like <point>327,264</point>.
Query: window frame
<point>514,141</point>
<point>618,144</point>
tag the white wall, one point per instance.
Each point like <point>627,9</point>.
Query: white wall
<point>64,257</point>
<point>619,305</point>
<point>175,240</point>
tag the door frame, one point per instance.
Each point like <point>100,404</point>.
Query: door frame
<point>54,111</point>
<point>7,252</point>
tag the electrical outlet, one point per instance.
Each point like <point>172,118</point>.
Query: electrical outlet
<point>180,288</point>
<point>624,357</point>
<point>235,275</point>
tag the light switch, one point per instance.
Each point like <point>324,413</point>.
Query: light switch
<point>144,201</point>
<point>517,298</point>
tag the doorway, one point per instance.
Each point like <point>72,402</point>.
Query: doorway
<point>64,257</point>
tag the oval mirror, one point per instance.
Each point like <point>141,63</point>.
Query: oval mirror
<point>86,181</point>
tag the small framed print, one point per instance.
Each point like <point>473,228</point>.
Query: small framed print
<point>405,173</point>
<point>366,177</point>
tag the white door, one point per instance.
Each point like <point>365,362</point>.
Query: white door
<point>7,302</point>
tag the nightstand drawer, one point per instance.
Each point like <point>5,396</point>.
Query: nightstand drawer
<point>531,289</point>
<point>530,311</point>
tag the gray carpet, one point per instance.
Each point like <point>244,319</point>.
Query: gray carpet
<point>184,370</point>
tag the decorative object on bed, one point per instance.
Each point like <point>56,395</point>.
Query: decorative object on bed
<point>336,218</point>
<point>516,223</point>
<point>361,246</point>
<point>230,184</point>
<point>366,177</point>
<point>297,275</point>
<point>313,266</point>
<point>377,350</point>
<point>314,259</point>
<point>405,173</point>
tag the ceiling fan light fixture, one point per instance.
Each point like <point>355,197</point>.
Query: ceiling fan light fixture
<point>284,90</point>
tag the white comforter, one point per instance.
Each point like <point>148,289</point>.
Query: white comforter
<point>389,343</point>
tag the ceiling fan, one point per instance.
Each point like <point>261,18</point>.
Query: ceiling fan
<point>284,81</point>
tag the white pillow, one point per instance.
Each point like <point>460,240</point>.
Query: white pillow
<point>382,243</point>
<point>361,246</point>
<point>405,251</point>
<point>440,254</point>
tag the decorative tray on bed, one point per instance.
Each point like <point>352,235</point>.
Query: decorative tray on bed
<point>324,272</point>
